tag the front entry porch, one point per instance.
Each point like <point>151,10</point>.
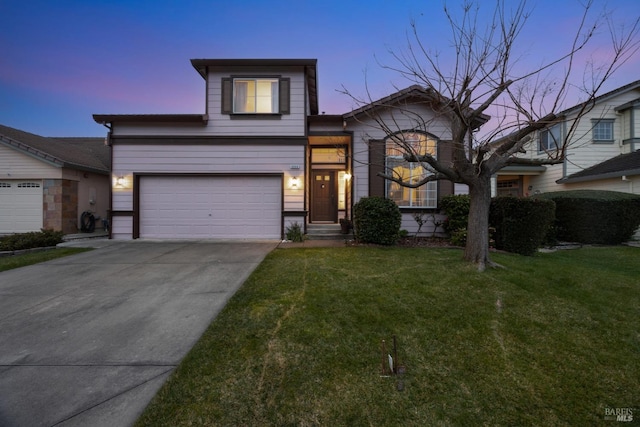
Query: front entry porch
<point>329,179</point>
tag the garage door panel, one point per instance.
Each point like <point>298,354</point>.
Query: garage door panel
<point>20,206</point>
<point>210,207</point>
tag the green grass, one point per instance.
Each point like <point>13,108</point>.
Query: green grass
<point>300,343</point>
<point>16,261</point>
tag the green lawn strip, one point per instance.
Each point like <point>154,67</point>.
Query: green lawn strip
<point>300,343</point>
<point>22,260</point>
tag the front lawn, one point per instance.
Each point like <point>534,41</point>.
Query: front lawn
<point>550,340</point>
<point>16,261</point>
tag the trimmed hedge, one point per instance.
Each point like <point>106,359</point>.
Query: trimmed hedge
<point>595,216</point>
<point>377,220</point>
<point>521,224</point>
<point>33,239</point>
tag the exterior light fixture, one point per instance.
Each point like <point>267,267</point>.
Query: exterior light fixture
<point>294,183</point>
<point>347,176</point>
<point>120,182</point>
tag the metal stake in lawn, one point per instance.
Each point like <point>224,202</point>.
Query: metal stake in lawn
<point>391,360</point>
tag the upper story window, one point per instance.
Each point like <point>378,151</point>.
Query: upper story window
<point>412,144</point>
<point>550,139</point>
<point>602,130</point>
<point>255,95</point>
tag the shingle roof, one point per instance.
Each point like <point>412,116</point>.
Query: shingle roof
<point>89,154</point>
<point>622,165</point>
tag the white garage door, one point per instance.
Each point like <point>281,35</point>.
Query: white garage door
<point>20,206</point>
<point>210,207</point>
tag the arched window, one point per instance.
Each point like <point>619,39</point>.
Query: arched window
<point>412,145</point>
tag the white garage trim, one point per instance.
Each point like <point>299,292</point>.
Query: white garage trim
<point>209,206</point>
<point>20,206</point>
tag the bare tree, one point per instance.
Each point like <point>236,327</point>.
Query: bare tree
<point>486,76</point>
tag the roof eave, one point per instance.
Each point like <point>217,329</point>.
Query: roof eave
<point>150,118</point>
<point>609,175</point>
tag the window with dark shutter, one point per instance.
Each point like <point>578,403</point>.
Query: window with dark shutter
<point>227,95</point>
<point>376,166</point>
<point>285,97</point>
<point>403,151</point>
<point>256,95</point>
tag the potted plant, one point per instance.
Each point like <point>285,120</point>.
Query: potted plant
<point>345,225</point>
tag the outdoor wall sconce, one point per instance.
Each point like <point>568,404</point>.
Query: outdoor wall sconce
<point>120,182</point>
<point>294,183</point>
<point>347,176</point>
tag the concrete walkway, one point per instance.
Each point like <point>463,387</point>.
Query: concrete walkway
<point>88,340</point>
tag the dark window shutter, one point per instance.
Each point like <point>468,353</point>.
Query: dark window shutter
<point>376,165</point>
<point>285,95</point>
<point>445,155</point>
<point>227,95</point>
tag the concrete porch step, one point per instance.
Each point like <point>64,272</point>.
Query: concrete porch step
<point>326,232</point>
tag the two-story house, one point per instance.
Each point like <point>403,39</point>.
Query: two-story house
<point>261,157</point>
<point>602,152</point>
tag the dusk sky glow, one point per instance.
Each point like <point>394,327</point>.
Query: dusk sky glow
<point>62,61</point>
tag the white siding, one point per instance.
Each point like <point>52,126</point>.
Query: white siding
<point>429,227</point>
<point>287,125</point>
<point>360,175</point>
<point>122,227</point>
<point>636,128</point>
<point>460,188</point>
<point>631,185</point>
<point>144,158</point>
<point>625,123</point>
<point>161,129</point>
<point>293,124</point>
<point>16,165</point>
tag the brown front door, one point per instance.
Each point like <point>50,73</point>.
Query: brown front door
<point>324,206</point>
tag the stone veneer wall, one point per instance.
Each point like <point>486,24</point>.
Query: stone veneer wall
<point>60,205</point>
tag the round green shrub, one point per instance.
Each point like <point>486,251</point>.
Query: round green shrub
<point>456,208</point>
<point>377,220</point>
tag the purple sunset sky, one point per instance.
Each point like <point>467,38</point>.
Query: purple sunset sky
<point>62,61</point>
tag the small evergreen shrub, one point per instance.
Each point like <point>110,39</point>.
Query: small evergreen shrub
<point>377,220</point>
<point>521,224</point>
<point>595,216</point>
<point>30,240</point>
<point>456,208</point>
<point>459,237</point>
<point>294,232</point>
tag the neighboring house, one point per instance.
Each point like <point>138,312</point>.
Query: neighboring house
<point>602,153</point>
<point>49,182</point>
<point>260,157</point>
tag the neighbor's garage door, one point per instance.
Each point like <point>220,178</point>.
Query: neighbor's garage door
<point>20,206</point>
<point>210,207</point>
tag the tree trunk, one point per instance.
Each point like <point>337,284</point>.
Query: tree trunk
<point>477,248</point>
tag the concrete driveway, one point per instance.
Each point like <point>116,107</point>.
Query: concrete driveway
<point>89,339</point>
